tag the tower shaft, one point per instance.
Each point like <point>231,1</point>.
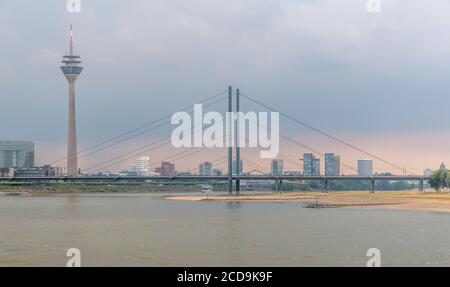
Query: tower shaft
<point>72,152</point>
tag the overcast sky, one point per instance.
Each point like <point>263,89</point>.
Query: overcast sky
<point>355,74</point>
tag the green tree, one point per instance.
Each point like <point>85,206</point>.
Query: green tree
<point>439,179</point>
<point>447,181</point>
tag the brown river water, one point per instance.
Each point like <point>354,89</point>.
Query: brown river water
<point>147,230</point>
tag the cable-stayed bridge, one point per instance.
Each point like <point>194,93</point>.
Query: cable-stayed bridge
<point>233,176</point>
<point>324,180</point>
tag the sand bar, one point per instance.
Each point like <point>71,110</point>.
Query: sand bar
<point>407,200</point>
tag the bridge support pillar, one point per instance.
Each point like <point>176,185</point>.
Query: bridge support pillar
<point>238,152</point>
<point>278,185</point>
<point>324,185</point>
<point>372,185</point>
<point>421,185</point>
<point>230,143</point>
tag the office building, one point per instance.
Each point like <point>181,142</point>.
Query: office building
<point>365,167</point>
<point>277,167</point>
<point>44,171</point>
<point>166,169</point>
<point>141,166</point>
<point>332,164</point>
<point>205,169</point>
<point>311,165</point>
<point>241,167</point>
<point>16,154</point>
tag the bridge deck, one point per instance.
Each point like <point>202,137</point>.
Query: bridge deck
<point>190,178</point>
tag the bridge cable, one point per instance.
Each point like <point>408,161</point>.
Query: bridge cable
<point>325,133</point>
<point>135,129</point>
<point>303,145</point>
<point>254,165</point>
<point>143,152</point>
<point>141,133</point>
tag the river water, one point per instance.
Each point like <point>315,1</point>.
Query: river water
<point>147,230</point>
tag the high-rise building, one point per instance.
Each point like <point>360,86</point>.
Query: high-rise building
<point>442,167</point>
<point>311,165</point>
<point>365,167</point>
<point>141,166</point>
<point>166,169</point>
<point>332,164</point>
<point>241,167</point>
<point>277,167</point>
<point>72,70</point>
<point>205,169</point>
<point>16,154</point>
<point>316,167</point>
<point>308,164</point>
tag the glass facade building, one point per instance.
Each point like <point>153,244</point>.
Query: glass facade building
<point>365,167</point>
<point>332,164</point>
<point>16,154</point>
<point>205,169</point>
<point>277,167</point>
<point>241,167</point>
<point>311,165</point>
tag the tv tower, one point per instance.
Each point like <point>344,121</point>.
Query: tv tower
<point>72,70</point>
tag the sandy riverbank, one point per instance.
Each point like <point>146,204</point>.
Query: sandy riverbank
<point>407,200</point>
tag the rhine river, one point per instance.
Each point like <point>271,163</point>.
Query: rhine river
<point>147,230</point>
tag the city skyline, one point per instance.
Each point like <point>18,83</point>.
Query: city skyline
<point>293,152</point>
<point>326,165</point>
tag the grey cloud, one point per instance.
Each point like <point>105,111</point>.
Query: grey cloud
<point>328,62</point>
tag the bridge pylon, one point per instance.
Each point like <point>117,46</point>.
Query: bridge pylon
<point>372,185</point>
<point>230,142</point>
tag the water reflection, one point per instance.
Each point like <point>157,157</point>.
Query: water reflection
<point>232,205</point>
